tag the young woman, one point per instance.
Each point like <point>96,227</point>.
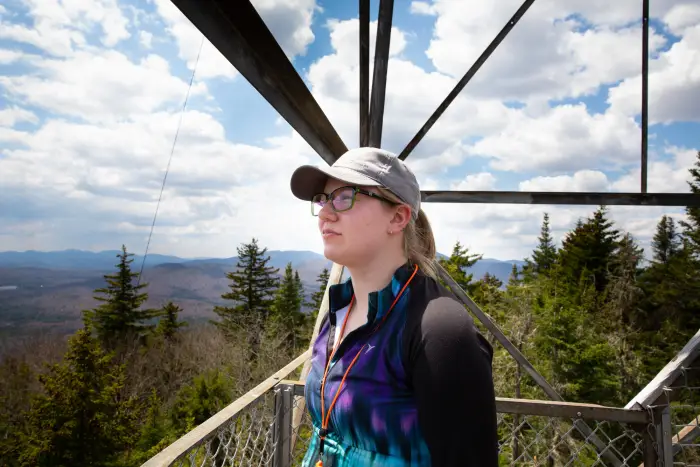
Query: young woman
<point>399,376</point>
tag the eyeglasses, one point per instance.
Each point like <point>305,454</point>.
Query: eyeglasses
<point>342,199</point>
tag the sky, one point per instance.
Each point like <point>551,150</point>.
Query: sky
<point>91,93</point>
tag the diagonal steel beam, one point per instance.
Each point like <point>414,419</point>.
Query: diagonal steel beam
<point>581,426</point>
<point>466,78</point>
<point>364,73</point>
<point>381,66</point>
<point>568,198</point>
<point>239,33</point>
<point>645,92</point>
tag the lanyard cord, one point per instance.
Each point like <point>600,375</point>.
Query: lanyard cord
<point>325,417</point>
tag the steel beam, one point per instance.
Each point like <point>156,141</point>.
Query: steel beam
<point>645,91</point>
<point>568,198</point>
<point>239,33</point>
<point>466,78</point>
<point>381,66</point>
<point>364,73</point>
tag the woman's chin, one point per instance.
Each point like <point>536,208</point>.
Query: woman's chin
<point>333,253</point>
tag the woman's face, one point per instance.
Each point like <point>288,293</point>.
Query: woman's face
<point>360,234</point>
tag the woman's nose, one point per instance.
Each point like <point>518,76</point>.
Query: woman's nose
<point>327,213</point>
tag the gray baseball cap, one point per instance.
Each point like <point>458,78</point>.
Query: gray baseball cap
<point>361,167</point>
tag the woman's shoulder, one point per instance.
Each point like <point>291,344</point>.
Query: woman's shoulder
<point>433,300</point>
<point>438,316</point>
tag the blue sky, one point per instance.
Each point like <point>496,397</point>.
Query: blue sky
<point>91,94</point>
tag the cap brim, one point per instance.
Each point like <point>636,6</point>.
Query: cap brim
<point>308,180</point>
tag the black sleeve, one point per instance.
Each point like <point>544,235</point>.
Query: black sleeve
<point>449,365</point>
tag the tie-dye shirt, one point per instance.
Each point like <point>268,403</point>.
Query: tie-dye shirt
<point>421,394</point>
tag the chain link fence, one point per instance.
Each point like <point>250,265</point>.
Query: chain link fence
<point>269,426</point>
<point>676,413</point>
<point>531,433</point>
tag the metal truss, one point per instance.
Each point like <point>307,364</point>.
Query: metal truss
<point>239,33</point>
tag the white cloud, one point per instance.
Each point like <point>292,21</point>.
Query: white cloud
<point>58,27</point>
<point>476,182</point>
<point>99,86</point>
<point>112,174</point>
<point>565,137</point>
<point>674,81</point>
<point>583,180</point>
<point>548,54</point>
<point>682,16</point>
<point>422,8</point>
<point>146,39</point>
<point>10,116</point>
<point>9,56</point>
<point>289,21</point>
<point>663,176</point>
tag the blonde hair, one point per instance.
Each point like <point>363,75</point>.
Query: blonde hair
<point>418,239</point>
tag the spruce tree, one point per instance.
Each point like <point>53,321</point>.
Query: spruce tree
<point>665,243</point>
<point>169,323</point>
<point>587,250</point>
<point>317,297</point>
<point>691,226</point>
<point>287,307</point>
<point>120,316</point>
<point>80,417</point>
<point>253,285</point>
<point>545,253</point>
<point>457,265</point>
<point>514,277</point>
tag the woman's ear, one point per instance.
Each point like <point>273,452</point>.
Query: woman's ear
<point>402,216</point>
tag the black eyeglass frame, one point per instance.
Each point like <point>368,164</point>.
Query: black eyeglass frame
<point>355,190</point>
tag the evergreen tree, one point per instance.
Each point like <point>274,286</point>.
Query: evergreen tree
<point>691,226</point>
<point>169,324</point>
<point>206,395</point>
<point>253,285</point>
<point>457,265</point>
<point>16,384</point>
<point>120,316</point>
<point>545,254</point>
<point>514,278</point>
<point>665,243</point>
<point>579,360</point>
<point>317,297</point>
<point>287,305</point>
<point>587,250</point>
<point>80,418</point>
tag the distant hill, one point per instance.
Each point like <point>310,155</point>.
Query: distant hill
<point>49,289</point>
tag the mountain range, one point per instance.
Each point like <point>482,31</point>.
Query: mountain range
<point>49,289</point>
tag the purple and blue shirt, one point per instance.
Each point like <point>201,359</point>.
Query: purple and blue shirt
<point>420,394</point>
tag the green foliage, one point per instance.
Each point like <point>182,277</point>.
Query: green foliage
<point>545,254</point>
<point>81,417</point>
<point>691,226</point>
<point>317,297</point>
<point>579,360</point>
<point>287,314</point>
<point>253,286</point>
<point>168,323</point>
<point>198,401</point>
<point>457,264</point>
<point>665,243</point>
<point>120,316</point>
<point>586,252</point>
<point>16,381</point>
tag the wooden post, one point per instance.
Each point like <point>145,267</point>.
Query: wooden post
<point>282,426</point>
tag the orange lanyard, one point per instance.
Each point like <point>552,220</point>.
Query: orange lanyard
<point>325,417</point>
